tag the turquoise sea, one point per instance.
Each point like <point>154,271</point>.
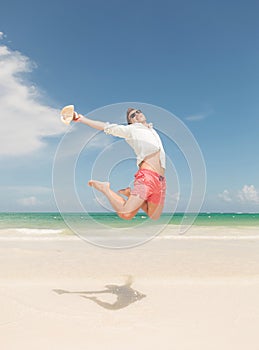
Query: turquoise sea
<point>57,221</point>
<point>109,231</point>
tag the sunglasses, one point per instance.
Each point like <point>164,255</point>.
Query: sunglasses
<point>133,115</point>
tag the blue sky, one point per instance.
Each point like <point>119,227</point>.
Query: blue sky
<point>196,59</point>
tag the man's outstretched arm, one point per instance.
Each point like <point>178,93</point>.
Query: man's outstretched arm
<point>118,130</point>
<point>92,123</point>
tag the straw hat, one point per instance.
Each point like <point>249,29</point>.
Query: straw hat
<point>67,114</point>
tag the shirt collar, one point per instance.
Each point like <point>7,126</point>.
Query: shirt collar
<point>150,125</point>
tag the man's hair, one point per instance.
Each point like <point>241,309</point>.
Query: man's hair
<point>128,113</point>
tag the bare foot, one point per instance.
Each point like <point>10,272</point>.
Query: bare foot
<point>125,191</point>
<point>99,185</point>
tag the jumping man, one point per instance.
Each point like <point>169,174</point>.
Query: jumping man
<point>149,188</point>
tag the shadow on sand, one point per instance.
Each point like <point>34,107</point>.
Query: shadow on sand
<point>125,295</point>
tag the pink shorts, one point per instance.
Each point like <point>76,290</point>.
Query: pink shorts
<point>150,186</point>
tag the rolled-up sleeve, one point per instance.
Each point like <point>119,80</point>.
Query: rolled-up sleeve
<point>123,131</point>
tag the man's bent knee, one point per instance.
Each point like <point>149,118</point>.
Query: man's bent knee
<point>154,216</point>
<point>154,212</point>
<point>126,216</point>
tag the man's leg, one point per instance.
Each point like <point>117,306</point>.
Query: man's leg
<point>125,209</point>
<point>126,192</point>
<point>153,210</point>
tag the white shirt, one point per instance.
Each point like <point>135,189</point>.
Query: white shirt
<point>144,140</point>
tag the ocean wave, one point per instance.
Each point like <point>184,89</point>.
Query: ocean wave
<point>38,238</point>
<point>39,231</point>
<point>207,237</point>
<point>25,231</point>
<point>101,238</point>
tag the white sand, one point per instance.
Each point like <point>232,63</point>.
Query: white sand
<point>199,295</point>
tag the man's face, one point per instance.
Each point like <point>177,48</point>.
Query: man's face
<point>136,116</point>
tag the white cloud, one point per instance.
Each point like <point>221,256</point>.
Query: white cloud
<point>225,196</point>
<point>1,35</point>
<point>173,198</point>
<point>248,194</point>
<point>15,198</point>
<point>25,120</point>
<point>196,117</point>
<point>28,201</point>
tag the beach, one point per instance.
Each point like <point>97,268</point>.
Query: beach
<point>196,291</point>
